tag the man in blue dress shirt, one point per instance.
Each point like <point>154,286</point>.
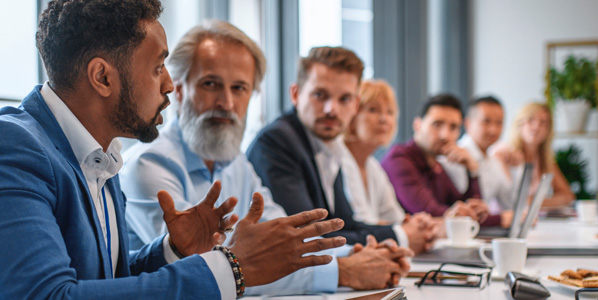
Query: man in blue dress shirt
<point>216,69</point>
<point>62,212</point>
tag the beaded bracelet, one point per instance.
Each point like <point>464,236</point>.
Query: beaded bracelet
<point>175,251</point>
<point>234,263</point>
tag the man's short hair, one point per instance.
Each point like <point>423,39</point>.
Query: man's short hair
<point>181,58</point>
<point>445,100</point>
<point>337,58</point>
<point>73,32</point>
<point>482,100</point>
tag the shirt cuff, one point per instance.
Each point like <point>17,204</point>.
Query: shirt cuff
<point>169,255</point>
<point>326,277</point>
<point>342,251</point>
<point>221,269</point>
<point>402,237</point>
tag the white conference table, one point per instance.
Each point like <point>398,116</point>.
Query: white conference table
<point>546,234</point>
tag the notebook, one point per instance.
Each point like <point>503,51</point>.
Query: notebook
<point>394,294</point>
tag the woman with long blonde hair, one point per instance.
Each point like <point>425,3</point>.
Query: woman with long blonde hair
<point>531,134</point>
<point>369,191</point>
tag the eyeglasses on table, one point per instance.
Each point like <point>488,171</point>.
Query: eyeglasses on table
<point>450,274</point>
<point>584,290</point>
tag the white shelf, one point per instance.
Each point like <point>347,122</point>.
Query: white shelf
<point>576,135</point>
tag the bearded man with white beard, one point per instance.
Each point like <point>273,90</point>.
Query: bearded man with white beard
<point>216,68</point>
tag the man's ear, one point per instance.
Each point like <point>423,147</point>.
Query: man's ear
<point>294,92</point>
<point>102,76</point>
<point>417,123</point>
<point>178,92</point>
<point>178,95</point>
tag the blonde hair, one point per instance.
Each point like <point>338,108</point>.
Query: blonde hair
<point>375,90</point>
<point>545,153</point>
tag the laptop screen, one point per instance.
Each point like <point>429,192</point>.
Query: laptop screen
<point>520,200</point>
<point>537,201</point>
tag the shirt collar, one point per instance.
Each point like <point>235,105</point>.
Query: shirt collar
<point>330,148</point>
<point>82,142</point>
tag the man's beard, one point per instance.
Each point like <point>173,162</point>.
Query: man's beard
<point>127,119</point>
<point>211,140</point>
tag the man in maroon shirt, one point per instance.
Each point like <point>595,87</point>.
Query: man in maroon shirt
<point>420,182</point>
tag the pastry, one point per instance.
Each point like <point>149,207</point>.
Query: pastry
<point>587,273</point>
<point>590,282</point>
<point>571,274</point>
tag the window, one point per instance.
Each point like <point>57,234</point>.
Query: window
<point>18,54</point>
<point>246,15</point>
<point>347,23</point>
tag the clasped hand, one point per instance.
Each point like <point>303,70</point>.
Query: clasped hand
<point>421,230</point>
<point>375,265</point>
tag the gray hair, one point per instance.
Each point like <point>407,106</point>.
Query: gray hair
<point>181,58</point>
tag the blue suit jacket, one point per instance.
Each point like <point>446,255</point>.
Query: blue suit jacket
<point>283,157</point>
<point>51,241</point>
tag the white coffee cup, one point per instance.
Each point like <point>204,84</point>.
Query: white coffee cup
<point>508,255</point>
<point>587,210</point>
<point>460,230</point>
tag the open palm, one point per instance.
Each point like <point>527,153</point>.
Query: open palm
<point>197,229</point>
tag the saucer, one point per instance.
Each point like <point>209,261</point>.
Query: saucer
<point>577,222</point>
<point>475,243</point>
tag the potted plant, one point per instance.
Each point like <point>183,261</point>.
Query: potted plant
<point>575,169</point>
<point>572,91</point>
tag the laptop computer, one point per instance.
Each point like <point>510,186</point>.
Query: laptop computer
<point>534,207</point>
<point>471,255</point>
<point>519,205</point>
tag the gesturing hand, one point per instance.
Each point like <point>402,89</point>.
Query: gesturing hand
<point>197,229</point>
<point>271,250</point>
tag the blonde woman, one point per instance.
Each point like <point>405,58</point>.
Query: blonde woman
<point>369,190</point>
<point>531,135</point>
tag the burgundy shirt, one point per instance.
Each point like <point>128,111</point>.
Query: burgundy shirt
<point>420,187</point>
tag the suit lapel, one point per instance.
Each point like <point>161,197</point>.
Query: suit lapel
<point>35,105</point>
<point>122,267</point>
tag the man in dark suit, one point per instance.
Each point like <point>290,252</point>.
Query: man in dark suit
<point>297,158</point>
<point>62,212</point>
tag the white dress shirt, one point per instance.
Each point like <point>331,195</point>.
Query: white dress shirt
<point>376,203</point>
<point>495,185</point>
<point>327,156</point>
<point>97,166</point>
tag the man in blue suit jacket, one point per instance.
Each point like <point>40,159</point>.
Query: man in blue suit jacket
<point>61,207</point>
